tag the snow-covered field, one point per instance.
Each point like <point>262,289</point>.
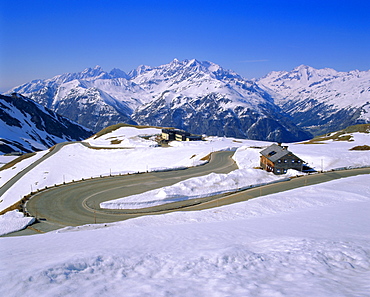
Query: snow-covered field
<point>6,175</point>
<point>313,241</point>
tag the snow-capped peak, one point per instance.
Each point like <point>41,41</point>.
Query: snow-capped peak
<point>175,61</point>
<point>139,70</point>
<point>92,72</point>
<point>118,73</point>
<point>303,67</point>
<point>308,73</point>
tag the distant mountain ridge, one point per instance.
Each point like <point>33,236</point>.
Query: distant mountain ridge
<point>26,126</point>
<point>321,100</point>
<point>202,98</point>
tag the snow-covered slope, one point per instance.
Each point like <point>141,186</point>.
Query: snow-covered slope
<point>124,136</point>
<point>321,100</point>
<point>305,242</point>
<point>85,97</point>
<point>26,126</point>
<point>200,97</point>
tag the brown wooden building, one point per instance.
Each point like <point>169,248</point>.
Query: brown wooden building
<point>179,135</point>
<point>278,159</point>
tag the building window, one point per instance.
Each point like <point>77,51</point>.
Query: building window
<point>299,161</point>
<point>285,161</point>
<point>279,161</point>
<point>292,161</point>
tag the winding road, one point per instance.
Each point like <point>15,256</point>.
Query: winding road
<point>78,203</point>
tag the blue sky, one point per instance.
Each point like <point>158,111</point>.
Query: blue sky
<point>43,38</point>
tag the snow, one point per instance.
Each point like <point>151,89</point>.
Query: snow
<point>208,185</point>
<point>13,221</point>
<point>128,137</point>
<point>188,78</point>
<point>306,242</point>
<point>6,159</point>
<point>6,175</point>
<point>341,90</point>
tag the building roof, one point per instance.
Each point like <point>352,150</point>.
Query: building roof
<point>175,131</point>
<point>275,152</point>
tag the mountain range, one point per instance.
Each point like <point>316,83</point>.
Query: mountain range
<point>26,126</point>
<point>204,98</point>
<point>321,100</point>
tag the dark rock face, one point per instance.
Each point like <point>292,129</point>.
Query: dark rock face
<point>205,114</point>
<point>321,118</point>
<point>28,126</point>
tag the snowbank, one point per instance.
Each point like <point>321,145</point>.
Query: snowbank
<point>204,186</point>
<point>13,221</point>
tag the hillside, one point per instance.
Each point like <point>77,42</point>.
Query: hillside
<point>27,126</point>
